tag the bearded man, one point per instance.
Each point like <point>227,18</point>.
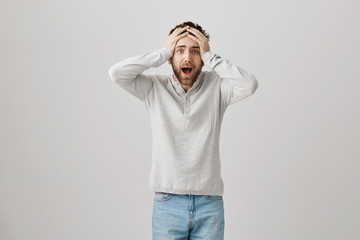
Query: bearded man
<point>186,110</point>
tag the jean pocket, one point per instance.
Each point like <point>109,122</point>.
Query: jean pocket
<point>162,196</point>
<point>213,197</point>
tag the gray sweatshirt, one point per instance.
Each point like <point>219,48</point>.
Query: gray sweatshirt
<point>185,125</point>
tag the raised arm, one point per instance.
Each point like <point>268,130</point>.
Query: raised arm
<point>236,83</point>
<point>128,73</point>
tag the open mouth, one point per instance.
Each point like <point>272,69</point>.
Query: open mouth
<point>187,71</point>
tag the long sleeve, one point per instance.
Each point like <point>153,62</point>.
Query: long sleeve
<point>128,73</point>
<point>236,83</point>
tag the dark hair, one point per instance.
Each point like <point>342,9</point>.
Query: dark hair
<point>193,25</point>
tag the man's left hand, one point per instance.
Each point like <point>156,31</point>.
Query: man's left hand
<point>200,39</point>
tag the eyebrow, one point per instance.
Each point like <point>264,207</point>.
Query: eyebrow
<point>181,46</point>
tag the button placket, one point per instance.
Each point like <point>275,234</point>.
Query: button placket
<point>187,105</point>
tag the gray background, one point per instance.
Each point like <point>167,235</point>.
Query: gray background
<point>75,148</point>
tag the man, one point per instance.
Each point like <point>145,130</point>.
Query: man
<point>186,110</point>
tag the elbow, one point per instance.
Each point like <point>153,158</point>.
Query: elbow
<point>251,83</point>
<point>112,73</point>
<point>118,73</point>
<point>252,86</point>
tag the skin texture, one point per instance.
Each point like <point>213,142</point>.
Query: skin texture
<point>200,39</point>
<point>187,51</point>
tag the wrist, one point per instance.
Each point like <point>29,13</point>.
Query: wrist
<point>206,56</point>
<point>167,52</point>
<point>202,54</point>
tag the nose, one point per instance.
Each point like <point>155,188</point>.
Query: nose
<point>187,56</point>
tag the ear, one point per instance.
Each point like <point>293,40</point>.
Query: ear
<point>169,60</point>
<point>202,63</point>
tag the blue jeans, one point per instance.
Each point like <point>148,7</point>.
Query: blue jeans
<point>187,217</point>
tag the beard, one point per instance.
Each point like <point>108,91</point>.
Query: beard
<point>186,80</point>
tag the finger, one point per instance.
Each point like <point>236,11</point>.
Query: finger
<point>194,38</point>
<point>180,29</point>
<point>196,32</point>
<point>181,36</point>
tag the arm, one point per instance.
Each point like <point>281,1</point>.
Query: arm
<point>128,72</point>
<point>236,83</point>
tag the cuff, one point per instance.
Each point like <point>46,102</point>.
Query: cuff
<point>167,52</point>
<point>206,56</point>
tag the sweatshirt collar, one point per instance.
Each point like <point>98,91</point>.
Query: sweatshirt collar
<point>179,89</point>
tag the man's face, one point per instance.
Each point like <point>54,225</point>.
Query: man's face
<point>186,61</point>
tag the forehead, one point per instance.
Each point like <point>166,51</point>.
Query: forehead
<point>188,42</point>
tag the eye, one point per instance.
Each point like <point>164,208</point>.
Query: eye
<point>195,51</point>
<point>179,51</point>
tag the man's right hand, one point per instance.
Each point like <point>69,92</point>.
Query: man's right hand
<point>174,37</point>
